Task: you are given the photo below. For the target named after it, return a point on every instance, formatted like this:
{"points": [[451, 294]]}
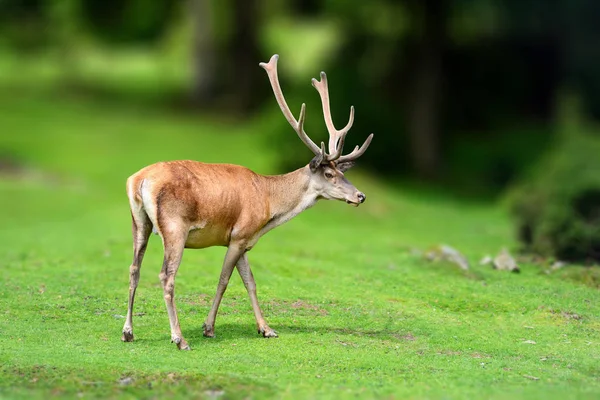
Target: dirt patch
{"points": [[201, 300], [14, 169], [299, 304], [479, 355], [568, 315], [409, 337], [449, 353], [571, 315], [9, 165], [297, 307], [346, 343]]}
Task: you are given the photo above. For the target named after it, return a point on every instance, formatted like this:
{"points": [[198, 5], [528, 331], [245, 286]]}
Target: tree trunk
{"points": [[246, 79], [226, 73], [424, 114], [204, 57]]}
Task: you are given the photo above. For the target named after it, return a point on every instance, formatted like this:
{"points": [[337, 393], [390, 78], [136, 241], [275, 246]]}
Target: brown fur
{"points": [[214, 196]]}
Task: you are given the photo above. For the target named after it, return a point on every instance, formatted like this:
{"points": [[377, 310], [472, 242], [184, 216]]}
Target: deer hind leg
{"points": [[174, 244], [234, 251], [141, 229], [243, 267]]}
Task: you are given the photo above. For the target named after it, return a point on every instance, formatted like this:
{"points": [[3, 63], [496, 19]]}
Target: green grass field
{"points": [[359, 314]]}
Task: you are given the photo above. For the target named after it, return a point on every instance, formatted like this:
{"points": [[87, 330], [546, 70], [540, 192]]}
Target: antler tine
{"points": [[357, 152], [336, 137], [271, 68]]}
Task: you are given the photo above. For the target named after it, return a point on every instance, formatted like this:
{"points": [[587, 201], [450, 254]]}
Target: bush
{"points": [[557, 207]]}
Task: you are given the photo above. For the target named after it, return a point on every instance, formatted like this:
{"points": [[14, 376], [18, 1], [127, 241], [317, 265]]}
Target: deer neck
{"points": [[289, 195]]}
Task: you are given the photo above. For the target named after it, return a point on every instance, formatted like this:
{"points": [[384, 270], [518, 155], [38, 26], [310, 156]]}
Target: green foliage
{"points": [[23, 24], [128, 21], [37, 24], [358, 314], [558, 206]]}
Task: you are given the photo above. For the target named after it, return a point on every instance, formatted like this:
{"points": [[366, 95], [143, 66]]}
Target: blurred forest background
{"points": [[482, 97]]}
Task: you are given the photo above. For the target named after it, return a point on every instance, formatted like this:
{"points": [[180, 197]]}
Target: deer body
{"points": [[196, 205], [210, 203]]}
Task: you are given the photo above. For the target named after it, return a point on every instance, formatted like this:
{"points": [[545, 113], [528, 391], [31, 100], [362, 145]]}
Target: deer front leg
{"points": [[243, 267], [174, 245], [233, 254]]}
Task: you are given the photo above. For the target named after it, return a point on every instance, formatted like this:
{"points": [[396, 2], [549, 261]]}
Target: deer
{"points": [[195, 205]]}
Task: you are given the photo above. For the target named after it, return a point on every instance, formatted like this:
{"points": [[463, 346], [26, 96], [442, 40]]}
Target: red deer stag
{"points": [[195, 205]]}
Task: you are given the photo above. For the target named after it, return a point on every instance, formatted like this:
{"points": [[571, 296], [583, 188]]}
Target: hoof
{"points": [[127, 337], [180, 342], [183, 346], [267, 332], [208, 331]]}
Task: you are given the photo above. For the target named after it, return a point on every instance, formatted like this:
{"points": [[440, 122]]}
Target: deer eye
{"points": [[328, 175]]}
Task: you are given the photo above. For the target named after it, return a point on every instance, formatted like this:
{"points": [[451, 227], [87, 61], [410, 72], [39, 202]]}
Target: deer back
{"points": [[217, 200]]}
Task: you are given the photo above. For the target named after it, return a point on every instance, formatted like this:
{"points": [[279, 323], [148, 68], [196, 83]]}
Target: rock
{"points": [[533, 378], [505, 262], [557, 265], [214, 393], [487, 259], [446, 253], [125, 381]]}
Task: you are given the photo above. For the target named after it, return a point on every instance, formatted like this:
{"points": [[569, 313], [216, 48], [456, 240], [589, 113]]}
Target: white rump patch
{"points": [[148, 201]]}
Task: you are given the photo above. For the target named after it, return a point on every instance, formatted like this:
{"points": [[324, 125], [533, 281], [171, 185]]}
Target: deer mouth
{"points": [[353, 203]]}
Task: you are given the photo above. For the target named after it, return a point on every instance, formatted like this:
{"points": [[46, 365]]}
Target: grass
{"points": [[360, 315]]}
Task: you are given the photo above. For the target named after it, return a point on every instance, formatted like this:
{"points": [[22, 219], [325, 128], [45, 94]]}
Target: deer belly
{"points": [[206, 237]]}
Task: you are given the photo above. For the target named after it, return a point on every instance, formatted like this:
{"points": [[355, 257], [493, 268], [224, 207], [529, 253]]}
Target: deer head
{"points": [[327, 167]]}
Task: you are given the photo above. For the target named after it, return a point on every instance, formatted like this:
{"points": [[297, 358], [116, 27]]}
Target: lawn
{"points": [[359, 312]]}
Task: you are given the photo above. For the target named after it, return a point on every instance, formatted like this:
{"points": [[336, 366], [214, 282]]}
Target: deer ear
{"points": [[345, 166], [315, 163]]}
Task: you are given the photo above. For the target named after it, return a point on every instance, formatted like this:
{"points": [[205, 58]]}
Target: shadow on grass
{"points": [[230, 332], [38, 381]]}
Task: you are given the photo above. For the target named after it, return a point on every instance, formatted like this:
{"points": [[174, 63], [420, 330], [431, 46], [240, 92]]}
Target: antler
{"points": [[357, 152], [271, 68], [336, 137]]}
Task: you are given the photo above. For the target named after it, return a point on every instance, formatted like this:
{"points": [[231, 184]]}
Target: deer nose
{"points": [[361, 197]]}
